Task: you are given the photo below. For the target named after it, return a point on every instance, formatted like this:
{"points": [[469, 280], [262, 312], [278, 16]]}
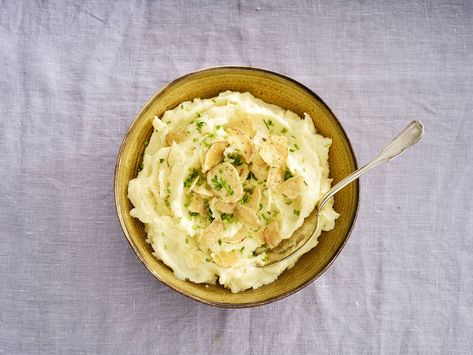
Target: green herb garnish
{"points": [[241, 250], [190, 178], [199, 125], [266, 218], [297, 212], [229, 217], [220, 183], [284, 130], [193, 214], [220, 242], [245, 198], [288, 174], [146, 143], [237, 161], [217, 183], [161, 160]]}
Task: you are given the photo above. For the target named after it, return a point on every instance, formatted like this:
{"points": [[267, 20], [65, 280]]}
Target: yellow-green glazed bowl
{"points": [[272, 88]]}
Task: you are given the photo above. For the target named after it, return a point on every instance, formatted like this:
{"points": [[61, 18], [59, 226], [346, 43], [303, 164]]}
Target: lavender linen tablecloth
{"points": [[74, 74]]}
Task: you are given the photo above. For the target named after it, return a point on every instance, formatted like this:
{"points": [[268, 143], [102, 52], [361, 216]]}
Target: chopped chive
{"points": [[208, 260], [237, 160], [288, 174], [220, 242], [190, 178], [297, 212], [241, 250], [199, 125], [227, 217], [182, 106], [266, 124], [245, 198], [265, 218], [220, 183], [296, 146], [146, 143], [251, 176], [284, 130]]}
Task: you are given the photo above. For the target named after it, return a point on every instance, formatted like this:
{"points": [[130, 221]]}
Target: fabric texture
{"points": [[74, 74]]}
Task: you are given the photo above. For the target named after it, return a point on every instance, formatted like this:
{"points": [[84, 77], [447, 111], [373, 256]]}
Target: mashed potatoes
{"points": [[223, 181]]}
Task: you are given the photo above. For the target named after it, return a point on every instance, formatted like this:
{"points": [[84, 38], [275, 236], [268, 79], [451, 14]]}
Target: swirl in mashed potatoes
{"points": [[223, 181]]}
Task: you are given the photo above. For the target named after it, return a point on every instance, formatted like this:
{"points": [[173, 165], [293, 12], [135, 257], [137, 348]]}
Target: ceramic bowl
{"points": [[273, 88]]}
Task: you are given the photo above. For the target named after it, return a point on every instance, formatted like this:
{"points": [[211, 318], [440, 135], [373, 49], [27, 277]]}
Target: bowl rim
{"points": [[120, 212]]}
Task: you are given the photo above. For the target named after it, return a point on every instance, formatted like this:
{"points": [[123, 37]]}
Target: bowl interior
{"points": [[272, 88]]}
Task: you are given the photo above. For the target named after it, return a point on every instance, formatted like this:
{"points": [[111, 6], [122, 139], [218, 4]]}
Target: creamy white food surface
{"points": [[223, 181]]}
